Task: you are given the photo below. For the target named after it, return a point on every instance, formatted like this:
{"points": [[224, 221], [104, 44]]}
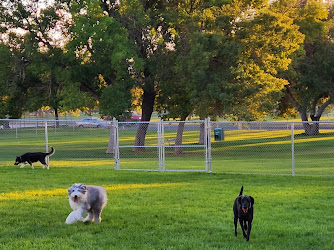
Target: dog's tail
{"points": [[51, 152], [242, 189]]}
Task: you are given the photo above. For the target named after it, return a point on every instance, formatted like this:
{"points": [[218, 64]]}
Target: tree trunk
{"points": [[56, 117], [111, 144], [179, 135], [147, 110], [310, 129], [313, 129], [201, 133]]}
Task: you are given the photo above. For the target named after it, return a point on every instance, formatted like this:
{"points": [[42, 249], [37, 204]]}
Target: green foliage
{"points": [[310, 74], [36, 54], [310, 19], [211, 58], [232, 62], [115, 100], [217, 57], [268, 41], [5, 69], [102, 48]]}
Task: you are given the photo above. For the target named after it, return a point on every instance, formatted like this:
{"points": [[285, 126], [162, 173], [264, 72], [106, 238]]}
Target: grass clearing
{"points": [[152, 210]]}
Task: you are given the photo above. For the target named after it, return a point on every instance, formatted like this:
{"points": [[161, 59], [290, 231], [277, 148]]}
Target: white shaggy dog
{"points": [[86, 199]]}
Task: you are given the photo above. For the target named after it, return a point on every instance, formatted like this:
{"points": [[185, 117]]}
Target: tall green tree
{"points": [[225, 60], [30, 30], [310, 89], [236, 60], [149, 27], [18, 78], [9, 61], [103, 58]]}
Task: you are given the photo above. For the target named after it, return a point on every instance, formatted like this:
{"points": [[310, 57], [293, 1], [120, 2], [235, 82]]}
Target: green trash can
{"points": [[218, 134]]}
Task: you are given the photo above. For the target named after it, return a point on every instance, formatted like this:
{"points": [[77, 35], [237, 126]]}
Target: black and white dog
{"points": [[86, 199], [243, 209], [30, 158]]}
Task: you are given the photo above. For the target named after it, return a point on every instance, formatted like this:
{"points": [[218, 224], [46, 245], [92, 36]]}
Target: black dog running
{"points": [[243, 209]]}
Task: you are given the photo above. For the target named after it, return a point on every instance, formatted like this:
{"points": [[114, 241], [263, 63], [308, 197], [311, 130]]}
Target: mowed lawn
{"points": [[153, 210], [170, 210]]}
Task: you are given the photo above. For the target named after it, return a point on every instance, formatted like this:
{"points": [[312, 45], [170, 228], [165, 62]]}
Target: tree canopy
{"points": [[242, 60], [311, 73]]}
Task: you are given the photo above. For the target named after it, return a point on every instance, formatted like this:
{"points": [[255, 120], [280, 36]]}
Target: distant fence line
{"points": [[279, 148]]}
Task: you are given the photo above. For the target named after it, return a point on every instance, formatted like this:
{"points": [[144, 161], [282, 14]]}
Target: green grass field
{"points": [[152, 210], [170, 210]]}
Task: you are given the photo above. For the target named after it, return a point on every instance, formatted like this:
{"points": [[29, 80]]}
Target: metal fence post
{"points": [[46, 140], [293, 148], [207, 141], [116, 144], [161, 146]]}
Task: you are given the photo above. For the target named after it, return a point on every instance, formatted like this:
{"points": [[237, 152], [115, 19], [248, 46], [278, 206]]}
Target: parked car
{"points": [[90, 123], [127, 117], [134, 117]]}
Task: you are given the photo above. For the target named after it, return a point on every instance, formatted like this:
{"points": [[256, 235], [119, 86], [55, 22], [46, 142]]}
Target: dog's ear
{"points": [[252, 200], [69, 191], [239, 199]]}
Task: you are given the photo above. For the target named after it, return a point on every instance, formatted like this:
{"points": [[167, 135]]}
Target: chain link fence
{"points": [[273, 148], [161, 149], [282, 148], [75, 145]]}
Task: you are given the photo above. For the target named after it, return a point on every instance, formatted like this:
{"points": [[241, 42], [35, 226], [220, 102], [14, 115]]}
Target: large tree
{"points": [[104, 60], [30, 30], [10, 72], [235, 61], [225, 60], [209, 57], [311, 85]]}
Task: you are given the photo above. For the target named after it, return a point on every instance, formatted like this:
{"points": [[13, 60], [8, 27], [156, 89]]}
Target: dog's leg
{"points": [[71, 218], [235, 225], [22, 165], [44, 164], [31, 165], [97, 215], [242, 227], [249, 230], [75, 216], [89, 217]]}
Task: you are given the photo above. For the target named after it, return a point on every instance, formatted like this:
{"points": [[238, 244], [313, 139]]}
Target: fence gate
{"points": [[162, 145]]}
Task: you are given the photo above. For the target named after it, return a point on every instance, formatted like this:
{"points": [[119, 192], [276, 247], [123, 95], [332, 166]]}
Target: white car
{"points": [[90, 123]]}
